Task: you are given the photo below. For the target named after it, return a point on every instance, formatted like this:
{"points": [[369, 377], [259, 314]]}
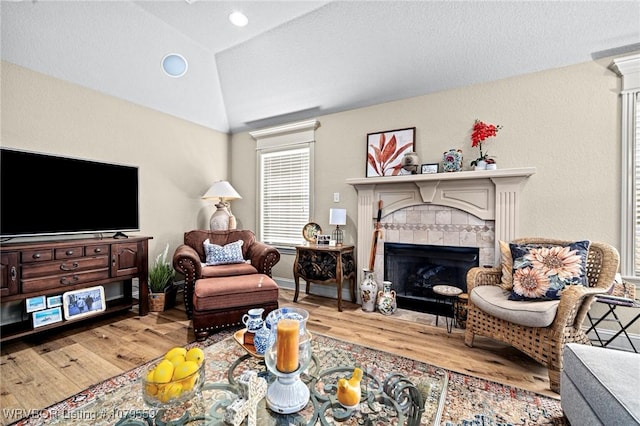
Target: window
{"points": [[285, 162], [284, 200], [629, 68]]}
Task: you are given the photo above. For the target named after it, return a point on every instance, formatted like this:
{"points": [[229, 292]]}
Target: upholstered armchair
{"points": [[539, 328], [189, 258]]}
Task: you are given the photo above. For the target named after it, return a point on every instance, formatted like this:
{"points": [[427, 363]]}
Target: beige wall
{"points": [[565, 122], [177, 160]]}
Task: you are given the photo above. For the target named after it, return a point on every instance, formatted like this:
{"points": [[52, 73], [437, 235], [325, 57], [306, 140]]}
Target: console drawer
{"points": [[65, 267], [30, 256], [69, 252], [60, 281]]}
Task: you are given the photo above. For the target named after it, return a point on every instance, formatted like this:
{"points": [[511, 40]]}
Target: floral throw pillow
{"points": [[540, 272], [222, 255]]}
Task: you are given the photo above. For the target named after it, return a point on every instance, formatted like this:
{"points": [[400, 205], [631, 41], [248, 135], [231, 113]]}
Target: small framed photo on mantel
{"points": [[429, 168]]}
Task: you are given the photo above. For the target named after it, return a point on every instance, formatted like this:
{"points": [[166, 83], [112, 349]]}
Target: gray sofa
{"points": [[599, 386]]}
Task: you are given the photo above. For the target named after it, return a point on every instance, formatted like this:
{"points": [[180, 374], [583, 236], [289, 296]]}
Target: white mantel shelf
{"points": [[488, 194]]}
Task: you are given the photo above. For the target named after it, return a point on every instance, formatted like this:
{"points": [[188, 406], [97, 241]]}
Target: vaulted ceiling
{"points": [[300, 59]]}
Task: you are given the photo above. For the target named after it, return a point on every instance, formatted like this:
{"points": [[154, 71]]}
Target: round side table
{"points": [[450, 294]]}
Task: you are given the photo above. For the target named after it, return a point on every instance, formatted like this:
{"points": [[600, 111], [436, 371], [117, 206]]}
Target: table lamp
{"points": [[338, 217], [222, 218]]}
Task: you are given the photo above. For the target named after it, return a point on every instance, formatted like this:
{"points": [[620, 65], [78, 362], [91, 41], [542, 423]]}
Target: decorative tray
{"points": [[310, 231], [239, 337]]}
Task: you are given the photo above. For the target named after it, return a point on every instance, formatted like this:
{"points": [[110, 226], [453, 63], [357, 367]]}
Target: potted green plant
{"points": [[162, 292]]}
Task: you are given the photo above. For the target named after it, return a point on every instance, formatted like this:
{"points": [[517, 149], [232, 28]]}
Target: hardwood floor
{"points": [[45, 369]]}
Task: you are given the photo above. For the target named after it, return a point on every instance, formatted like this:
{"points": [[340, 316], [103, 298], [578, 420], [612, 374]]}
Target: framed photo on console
{"points": [[36, 303], [84, 302], [47, 316]]}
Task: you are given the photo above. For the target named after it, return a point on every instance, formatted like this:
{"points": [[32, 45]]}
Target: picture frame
{"points": [[47, 316], [83, 303], [53, 301], [386, 149], [36, 303], [430, 168]]}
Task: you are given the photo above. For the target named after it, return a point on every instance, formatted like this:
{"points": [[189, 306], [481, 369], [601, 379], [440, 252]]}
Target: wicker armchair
{"points": [[545, 345]]}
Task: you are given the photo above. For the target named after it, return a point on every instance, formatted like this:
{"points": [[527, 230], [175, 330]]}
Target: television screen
{"points": [[43, 194]]}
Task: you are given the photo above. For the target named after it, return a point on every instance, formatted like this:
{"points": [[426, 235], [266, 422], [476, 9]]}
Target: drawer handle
{"points": [[36, 256], [74, 265], [69, 252], [13, 273], [98, 250], [66, 281]]}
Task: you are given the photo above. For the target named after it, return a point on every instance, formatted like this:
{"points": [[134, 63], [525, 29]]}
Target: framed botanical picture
{"points": [[83, 302], [53, 301], [36, 303], [386, 149], [429, 168], [47, 316]]}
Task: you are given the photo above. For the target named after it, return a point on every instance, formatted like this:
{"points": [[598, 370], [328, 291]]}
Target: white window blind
{"points": [[285, 188]]}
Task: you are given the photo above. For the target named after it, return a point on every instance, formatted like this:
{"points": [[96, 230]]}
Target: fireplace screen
{"points": [[414, 269]]}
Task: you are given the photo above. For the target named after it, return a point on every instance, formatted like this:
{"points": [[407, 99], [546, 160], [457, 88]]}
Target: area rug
{"points": [[465, 400]]}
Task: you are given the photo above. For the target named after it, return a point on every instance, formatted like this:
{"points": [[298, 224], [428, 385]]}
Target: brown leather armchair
{"points": [[189, 258]]}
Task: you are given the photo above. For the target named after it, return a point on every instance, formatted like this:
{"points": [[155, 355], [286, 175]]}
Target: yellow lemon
{"points": [[175, 351], [151, 388], [164, 372], [177, 360], [189, 383], [170, 391], [185, 369], [195, 354]]}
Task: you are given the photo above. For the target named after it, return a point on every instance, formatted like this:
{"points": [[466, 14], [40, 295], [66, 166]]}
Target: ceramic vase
{"points": [[387, 304], [368, 291], [452, 160]]}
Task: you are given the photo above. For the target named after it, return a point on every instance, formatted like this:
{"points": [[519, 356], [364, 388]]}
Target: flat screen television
{"points": [[43, 194]]}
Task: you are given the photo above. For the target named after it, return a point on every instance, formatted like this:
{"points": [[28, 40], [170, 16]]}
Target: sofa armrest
{"points": [[263, 257], [187, 262], [483, 276]]}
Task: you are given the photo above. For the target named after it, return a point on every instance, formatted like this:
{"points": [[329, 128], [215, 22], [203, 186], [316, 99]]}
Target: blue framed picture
{"points": [[36, 303], [53, 301], [47, 316]]}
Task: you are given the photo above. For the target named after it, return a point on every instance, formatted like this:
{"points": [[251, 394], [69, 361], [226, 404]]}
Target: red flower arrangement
{"points": [[481, 132]]}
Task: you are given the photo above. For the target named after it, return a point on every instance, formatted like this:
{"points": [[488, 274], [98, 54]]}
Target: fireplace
{"points": [[414, 269], [462, 209]]}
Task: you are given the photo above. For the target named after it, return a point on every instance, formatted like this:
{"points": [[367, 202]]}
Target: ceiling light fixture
{"points": [[238, 19], [174, 65]]}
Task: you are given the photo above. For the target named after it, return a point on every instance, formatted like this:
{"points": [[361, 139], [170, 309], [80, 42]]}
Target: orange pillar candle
{"points": [[287, 345]]}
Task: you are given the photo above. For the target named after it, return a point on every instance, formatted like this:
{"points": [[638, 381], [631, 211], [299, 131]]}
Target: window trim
{"points": [[283, 138], [628, 68]]}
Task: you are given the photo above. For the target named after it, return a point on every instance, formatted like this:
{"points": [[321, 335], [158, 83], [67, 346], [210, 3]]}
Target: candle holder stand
{"points": [[288, 394]]}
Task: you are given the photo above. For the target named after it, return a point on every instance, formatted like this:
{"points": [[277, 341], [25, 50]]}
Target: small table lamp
{"points": [[222, 218], [337, 217]]}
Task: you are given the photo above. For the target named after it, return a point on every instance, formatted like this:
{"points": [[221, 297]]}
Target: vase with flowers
{"points": [[481, 132]]}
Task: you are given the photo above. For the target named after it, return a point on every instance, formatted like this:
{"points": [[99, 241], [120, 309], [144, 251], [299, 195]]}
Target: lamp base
{"points": [[287, 394], [220, 218]]}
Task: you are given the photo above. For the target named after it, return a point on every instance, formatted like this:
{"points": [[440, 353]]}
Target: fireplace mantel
{"points": [[489, 195]]}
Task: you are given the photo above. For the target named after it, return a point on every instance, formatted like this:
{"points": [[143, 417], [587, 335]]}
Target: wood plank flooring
{"points": [[41, 370]]}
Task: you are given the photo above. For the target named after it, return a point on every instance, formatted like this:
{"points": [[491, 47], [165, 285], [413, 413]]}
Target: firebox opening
{"points": [[414, 269]]}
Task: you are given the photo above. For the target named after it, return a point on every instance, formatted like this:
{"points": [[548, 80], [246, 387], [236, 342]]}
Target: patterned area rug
{"points": [[467, 401]]}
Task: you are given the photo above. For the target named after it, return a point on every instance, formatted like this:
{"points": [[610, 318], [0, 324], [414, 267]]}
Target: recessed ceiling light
{"points": [[239, 19], [174, 65]]}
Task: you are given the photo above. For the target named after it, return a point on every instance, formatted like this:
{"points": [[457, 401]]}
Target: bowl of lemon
{"points": [[176, 378]]}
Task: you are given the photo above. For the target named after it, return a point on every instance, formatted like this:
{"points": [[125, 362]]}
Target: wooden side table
{"points": [[322, 264]]}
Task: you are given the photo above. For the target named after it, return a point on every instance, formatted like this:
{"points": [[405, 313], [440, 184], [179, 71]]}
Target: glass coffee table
{"points": [[388, 398]]}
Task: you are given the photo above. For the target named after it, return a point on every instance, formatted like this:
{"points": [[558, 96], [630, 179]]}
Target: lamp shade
{"points": [[337, 216], [223, 190]]}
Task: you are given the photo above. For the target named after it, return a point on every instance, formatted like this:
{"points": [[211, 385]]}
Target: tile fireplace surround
{"points": [[472, 208]]}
